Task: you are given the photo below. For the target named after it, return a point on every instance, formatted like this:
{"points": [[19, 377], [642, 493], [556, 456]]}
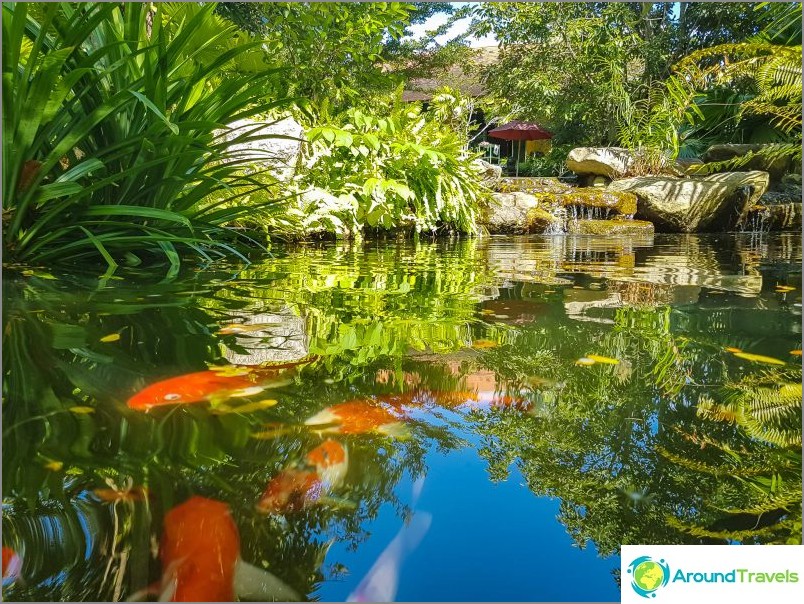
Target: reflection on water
{"points": [[373, 421]]}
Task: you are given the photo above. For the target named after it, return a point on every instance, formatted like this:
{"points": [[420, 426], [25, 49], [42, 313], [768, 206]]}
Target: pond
{"points": [[451, 420]]}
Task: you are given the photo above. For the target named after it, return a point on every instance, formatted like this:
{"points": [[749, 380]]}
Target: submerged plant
{"points": [[112, 121]]}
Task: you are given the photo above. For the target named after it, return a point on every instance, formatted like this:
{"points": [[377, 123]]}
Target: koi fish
{"points": [[758, 358], [359, 417], [381, 582], [296, 488], [331, 461], [200, 553], [12, 565], [237, 328], [208, 385], [291, 490]]}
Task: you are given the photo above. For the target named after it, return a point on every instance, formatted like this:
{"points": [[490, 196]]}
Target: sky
{"points": [[458, 28]]}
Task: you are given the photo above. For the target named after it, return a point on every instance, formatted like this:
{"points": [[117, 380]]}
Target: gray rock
{"points": [[490, 173], [687, 205], [284, 338], [275, 145], [611, 162], [508, 212]]}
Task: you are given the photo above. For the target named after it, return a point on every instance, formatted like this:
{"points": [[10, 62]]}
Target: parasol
{"points": [[520, 131]]}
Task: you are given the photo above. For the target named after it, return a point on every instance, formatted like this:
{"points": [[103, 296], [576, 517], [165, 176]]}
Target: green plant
{"points": [[396, 167], [553, 163], [110, 115]]}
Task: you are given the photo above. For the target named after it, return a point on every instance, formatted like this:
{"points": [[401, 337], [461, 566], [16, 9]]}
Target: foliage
{"points": [[572, 65], [553, 163], [769, 75], [109, 140], [332, 50], [395, 167]]}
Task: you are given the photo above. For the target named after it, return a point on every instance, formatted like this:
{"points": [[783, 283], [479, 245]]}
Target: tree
{"points": [[331, 50], [569, 65]]}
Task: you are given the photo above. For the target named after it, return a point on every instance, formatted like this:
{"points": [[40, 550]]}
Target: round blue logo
{"points": [[648, 575]]}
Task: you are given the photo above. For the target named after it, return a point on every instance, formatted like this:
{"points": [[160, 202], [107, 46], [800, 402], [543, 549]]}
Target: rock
{"points": [[283, 339], [610, 227], [686, 205], [539, 220], [776, 167], [593, 197], [490, 173], [263, 149], [780, 217], [688, 166], [612, 162], [532, 185], [507, 213]]}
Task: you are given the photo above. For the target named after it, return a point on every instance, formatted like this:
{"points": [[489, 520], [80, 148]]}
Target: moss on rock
{"points": [[621, 202], [610, 227], [532, 185], [539, 220]]}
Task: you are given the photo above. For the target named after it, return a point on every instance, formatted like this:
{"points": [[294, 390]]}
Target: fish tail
{"points": [[396, 430]]}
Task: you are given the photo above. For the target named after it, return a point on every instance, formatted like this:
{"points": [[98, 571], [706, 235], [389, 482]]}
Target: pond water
{"points": [[516, 408]]}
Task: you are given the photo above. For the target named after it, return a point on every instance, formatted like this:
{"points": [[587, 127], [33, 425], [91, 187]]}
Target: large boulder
{"points": [[275, 145], [507, 212], [776, 166], [611, 162], [687, 205]]}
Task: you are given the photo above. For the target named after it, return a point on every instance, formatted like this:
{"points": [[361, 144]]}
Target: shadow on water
{"points": [[644, 391]]}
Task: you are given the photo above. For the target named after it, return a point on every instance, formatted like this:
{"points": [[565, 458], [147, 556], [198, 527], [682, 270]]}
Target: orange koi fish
{"points": [[200, 553], [291, 490], [295, 488], [359, 417], [331, 461], [210, 385], [12, 565]]}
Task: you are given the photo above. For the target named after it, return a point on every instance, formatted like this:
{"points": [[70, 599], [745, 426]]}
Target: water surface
{"points": [[531, 463]]}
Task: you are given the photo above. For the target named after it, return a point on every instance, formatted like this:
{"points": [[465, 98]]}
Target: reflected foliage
{"points": [[665, 437]]}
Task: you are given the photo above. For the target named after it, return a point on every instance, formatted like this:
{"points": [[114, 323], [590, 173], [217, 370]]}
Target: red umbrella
{"points": [[520, 131]]}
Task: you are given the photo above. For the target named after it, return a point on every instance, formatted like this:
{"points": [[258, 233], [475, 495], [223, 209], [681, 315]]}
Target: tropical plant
{"points": [[396, 167], [114, 124]]}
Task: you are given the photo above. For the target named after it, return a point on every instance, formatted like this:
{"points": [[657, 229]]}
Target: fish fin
{"points": [[396, 430], [252, 583], [325, 416], [250, 391]]}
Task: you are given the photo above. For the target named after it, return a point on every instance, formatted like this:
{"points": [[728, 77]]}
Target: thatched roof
{"points": [[465, 79]]}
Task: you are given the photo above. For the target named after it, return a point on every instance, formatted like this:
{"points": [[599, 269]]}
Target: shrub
{"points": [[109, 120], [399, 167]]}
